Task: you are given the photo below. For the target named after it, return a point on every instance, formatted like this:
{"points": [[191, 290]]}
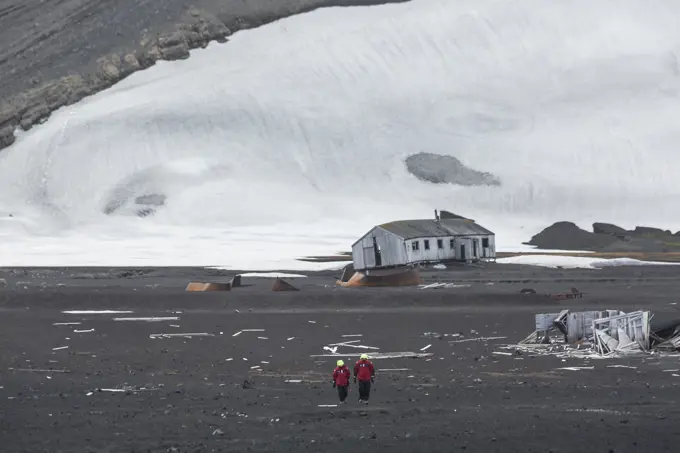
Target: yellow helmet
{"points": [[364, 357], [341, 363]]}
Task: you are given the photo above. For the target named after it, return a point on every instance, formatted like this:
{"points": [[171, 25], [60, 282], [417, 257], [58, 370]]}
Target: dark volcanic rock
{"points": [[649, 232], [54, 56], [6, 137], [608, 228], [637, 244], [447, 170], [568, 236]]}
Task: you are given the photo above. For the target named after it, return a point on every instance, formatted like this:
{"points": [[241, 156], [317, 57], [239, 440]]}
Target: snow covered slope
{"points": [[291, 138]]}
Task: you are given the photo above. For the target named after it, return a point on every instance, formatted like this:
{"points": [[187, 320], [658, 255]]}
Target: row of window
{"points": [[415, 245]]}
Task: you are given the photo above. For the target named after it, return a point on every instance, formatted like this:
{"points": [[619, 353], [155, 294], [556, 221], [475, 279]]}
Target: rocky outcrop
{"points": [[568, 236], [42, 57], [608, 228], [6, 137], [605, 237], [35, 106], [441, 169], [649, 232]]}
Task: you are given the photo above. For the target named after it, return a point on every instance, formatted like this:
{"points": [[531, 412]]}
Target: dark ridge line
{"points": [[34, 106]]}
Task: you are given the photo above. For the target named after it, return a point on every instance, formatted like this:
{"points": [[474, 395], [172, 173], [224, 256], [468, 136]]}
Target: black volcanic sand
{"points": [[465, 398]]}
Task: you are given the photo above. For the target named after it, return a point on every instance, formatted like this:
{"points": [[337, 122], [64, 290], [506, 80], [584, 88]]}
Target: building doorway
{"points": [[376, 251]]}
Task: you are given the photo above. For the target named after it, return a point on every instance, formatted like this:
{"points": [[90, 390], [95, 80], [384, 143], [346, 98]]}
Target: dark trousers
{"points": [[342, 392], [364, 390]]}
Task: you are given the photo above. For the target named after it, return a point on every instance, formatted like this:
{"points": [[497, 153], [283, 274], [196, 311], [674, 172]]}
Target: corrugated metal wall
{"points": [[433, 254], [396, 252], [391, 249]]}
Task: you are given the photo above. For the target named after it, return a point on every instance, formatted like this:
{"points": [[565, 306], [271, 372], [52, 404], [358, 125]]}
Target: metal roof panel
{"points": [[408, 229]]}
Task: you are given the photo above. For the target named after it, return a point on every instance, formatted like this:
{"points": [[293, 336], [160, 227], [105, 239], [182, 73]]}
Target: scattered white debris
{"points": [[245, 360], [670, 371], [577, 368], [356, 346], [675, 375], [345, 343], [426, 347], [37, 370], [393, 369], [622, 366], [89, 394], [265, 363], [96, 312], [229, 359], [174, 325], [444, 285], [312, 322], [113, 390], [59, 348], [262, 338], [438, 335], [598, 411], [332, 350], [439, 266], [328, 405], [150, 319], [352, 335], [255, 367], [188, 335], [502, 353], [272, 275], [66, 324], [477, 339], [290, 338], [83, 331], [294, 381]]}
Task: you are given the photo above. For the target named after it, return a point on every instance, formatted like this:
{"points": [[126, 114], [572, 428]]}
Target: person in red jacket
{"points": [[364, 371], [341, 376]]}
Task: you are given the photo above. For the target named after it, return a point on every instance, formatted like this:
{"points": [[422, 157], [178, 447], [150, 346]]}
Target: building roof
{"points": [[408, 229]]}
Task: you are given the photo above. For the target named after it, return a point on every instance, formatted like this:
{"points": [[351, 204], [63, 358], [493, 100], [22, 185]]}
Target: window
{"points": [[452, 244], [440, 244], [485, 243], [427, 244], [415, 246]]}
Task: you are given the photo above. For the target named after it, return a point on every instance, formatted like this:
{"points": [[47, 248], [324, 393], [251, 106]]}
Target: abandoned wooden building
{"points": [[410, 242]]}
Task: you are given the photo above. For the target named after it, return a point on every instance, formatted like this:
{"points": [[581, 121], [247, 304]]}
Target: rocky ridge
{"points": [[194, 29], [35, 106], [606, 237]]}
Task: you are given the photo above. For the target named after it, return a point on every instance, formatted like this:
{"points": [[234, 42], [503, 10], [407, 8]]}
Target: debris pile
{"points": [[442, 285], [604, 332]]}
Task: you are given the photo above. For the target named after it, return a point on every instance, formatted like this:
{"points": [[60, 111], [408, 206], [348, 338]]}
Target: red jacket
{"points": [[363, 370], [341, 376]]}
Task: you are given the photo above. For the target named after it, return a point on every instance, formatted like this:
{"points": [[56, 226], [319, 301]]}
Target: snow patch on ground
{"points": [[573, 262]]}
